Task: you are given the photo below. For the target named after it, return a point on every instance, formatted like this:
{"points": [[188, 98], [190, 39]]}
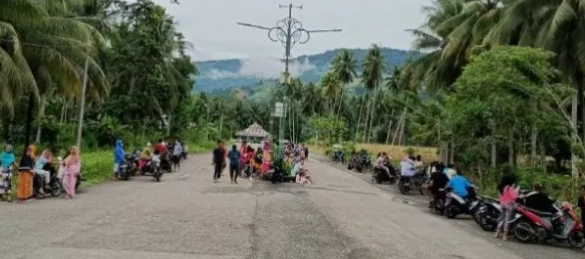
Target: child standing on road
{"points": [[508, 194], [234, 156]]}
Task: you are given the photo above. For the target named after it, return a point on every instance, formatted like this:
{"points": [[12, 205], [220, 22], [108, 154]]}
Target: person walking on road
{"points": [[234, 156], [218, 160]]}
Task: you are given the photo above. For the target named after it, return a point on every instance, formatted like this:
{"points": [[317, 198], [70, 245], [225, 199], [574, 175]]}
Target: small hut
{"points": [[253, 134]]}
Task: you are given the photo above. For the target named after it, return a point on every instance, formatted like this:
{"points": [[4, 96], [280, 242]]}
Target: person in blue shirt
{"points": [[460, 185], [234, 156], [119, 156]]}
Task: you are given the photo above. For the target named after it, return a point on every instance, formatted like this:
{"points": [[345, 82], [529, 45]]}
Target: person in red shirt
{"points": [[161, 148]]}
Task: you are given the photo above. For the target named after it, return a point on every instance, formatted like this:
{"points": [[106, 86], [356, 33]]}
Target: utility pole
{"points": [[288, 31]]}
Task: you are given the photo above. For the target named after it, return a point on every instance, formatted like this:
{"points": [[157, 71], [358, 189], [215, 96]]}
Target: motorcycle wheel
{"points": [[576, 240], [358, 169], [450, 212], [57, 188], [403, 188], [523, 231]]}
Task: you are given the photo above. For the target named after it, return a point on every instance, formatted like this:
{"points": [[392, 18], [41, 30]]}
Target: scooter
{"points": [[456, 205], [54, 187], [562, 226], [153, 168], [437, 204], [488, 213], [125, 169], [408, 183], [380, 175]]}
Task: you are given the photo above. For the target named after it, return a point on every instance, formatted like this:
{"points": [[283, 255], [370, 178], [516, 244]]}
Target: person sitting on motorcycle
{"points": [[381, 162], [537, 200], [418, 163], [145, 157], [438, 180], [407, 168], [449, 171], [44, 176], [460, 186]]}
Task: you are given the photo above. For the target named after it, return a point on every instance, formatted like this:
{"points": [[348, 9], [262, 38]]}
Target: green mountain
{"points": [[220, 77]]}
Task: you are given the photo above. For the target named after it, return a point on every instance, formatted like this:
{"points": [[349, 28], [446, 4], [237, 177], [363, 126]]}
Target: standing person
{"points": [[177, 154], [234, 155], [218, 160], [508, 194], [7, 158], [25, 176], [119, 156], [72, 166], [306, 150], [243, 154], [161, 147], [266, 158]]}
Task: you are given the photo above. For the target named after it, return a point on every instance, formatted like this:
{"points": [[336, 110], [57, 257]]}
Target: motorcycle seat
{"points": [[540, 213]]}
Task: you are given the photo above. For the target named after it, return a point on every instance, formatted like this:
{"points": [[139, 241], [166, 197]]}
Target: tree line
{"points": [[138, 72]]}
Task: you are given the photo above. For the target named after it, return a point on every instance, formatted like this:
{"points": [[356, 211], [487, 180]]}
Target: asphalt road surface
{"points": [[187, 216]]}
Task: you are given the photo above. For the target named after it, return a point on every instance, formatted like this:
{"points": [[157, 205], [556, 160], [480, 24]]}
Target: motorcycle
{"points": [[153, 168], [54, 187], [455, 205], [366, 161], [488, 213], [381, 175], [355, 163], [437, 204], [276, 173], [408, 183], [562, 226], [125, 169]]}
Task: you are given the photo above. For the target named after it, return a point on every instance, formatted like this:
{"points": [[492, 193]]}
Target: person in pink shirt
{"points": [[509, 192]]}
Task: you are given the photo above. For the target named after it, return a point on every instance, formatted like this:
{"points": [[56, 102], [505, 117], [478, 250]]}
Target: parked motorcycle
{"points": [[488, 213], [153, 168], [54, 187], [562, 226], [355, 163], [380, 175], [125, 170]]}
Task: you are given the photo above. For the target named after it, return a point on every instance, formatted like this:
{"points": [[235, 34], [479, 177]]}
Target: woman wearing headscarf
{"points": [[72, 165], [25, 176], [7, 158], [266, 158], [43, 175], [145, 156]]}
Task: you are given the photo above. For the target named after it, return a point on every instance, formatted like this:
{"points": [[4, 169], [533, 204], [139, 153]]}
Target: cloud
{"points": [[262, 67]]}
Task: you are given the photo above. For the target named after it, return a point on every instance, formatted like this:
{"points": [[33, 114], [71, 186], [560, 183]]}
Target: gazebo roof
{"points": [[254, 130]]}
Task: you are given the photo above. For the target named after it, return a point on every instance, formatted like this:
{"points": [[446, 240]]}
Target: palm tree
{"points": [[331, 86], [373, 68], [344, 67]]}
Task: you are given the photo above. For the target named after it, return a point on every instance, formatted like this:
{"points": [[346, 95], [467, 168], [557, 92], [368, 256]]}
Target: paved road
{"points": [[188, 216]]}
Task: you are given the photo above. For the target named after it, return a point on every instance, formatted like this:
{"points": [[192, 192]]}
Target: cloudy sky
{"points": [[210, 25]]}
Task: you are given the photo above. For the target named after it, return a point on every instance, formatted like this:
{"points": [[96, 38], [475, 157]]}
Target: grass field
{"points": [[428, 154]]}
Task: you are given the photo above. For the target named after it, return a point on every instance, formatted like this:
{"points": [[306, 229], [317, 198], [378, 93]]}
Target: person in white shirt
{"points": [[407, 167]]}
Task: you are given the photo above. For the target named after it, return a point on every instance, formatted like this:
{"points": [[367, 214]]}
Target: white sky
{"points": [[210, 25]]}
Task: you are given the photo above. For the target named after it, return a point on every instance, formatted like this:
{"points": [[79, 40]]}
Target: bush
{"points": [[97, 167]]}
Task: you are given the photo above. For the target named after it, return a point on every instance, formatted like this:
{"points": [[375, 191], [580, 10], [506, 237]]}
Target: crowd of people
{"points": [[251, 163], [168, 153], [35, 173]]}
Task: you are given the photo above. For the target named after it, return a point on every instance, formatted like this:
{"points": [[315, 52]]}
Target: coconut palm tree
{"points": [[373, 69], [331, 86], [344, 67]]}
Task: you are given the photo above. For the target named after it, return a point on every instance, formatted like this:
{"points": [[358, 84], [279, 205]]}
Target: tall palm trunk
{"points": [[401, 138], [400, 122], [389, 127], [368, 108], [511, 146], [494, 154], [373, 110], [41, 116], [359, 115], [29, 115], [574, 170]]}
